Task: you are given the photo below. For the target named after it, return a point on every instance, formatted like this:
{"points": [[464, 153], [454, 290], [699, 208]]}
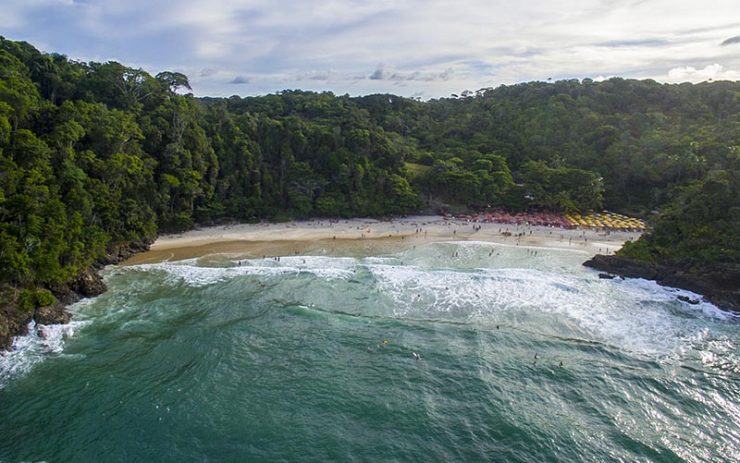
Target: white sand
{"points": [[296, 237]]}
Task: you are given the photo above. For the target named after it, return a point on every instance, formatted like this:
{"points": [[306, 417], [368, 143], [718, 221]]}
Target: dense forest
{"points": [[94, 154]]}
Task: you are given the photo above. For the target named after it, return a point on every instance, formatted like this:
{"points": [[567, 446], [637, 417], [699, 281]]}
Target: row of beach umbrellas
{"points": [[597, 220], [606, 220], [544, 219]]}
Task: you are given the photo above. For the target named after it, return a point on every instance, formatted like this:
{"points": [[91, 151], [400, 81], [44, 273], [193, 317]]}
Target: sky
{"points": [[414, 48]]}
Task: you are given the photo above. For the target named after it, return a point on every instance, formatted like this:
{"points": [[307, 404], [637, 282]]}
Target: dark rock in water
{"points": [[607, 276], [688, 299], [14, 321], [52, 314], [718, 282], [88, 284], [65, 294], [617, 265]]}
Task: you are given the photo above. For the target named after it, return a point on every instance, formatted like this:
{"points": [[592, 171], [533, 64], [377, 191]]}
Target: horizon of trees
{"points": [[98, 153]]}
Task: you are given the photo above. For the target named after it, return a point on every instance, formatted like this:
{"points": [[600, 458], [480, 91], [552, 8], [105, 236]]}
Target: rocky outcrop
{"points": [[14, 320], [118, 252], [88, 284], [718, 282], [52, 314]]}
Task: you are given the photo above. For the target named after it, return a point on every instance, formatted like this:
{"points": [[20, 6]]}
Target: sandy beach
{"points": [[369, 236]]}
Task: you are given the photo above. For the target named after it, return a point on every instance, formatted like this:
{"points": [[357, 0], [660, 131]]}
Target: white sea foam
{"points": [[380, 260], [40, 342], [635, 315], [558, 300], [195, 275], [668, 294], [489, 244]]}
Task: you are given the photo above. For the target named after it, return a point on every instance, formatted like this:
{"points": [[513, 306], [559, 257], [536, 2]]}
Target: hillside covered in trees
{"points": [[97, 154]]}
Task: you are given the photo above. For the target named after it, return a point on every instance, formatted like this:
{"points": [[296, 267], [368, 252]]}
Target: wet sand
{"points": [[367, 237]]}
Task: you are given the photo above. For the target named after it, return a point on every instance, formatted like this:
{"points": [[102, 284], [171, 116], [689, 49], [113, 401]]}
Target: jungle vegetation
{"points": [[93, 154]]}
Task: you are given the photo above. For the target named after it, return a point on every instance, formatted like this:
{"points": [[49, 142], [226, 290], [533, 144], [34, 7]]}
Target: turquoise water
{"points": [[311, 359]]}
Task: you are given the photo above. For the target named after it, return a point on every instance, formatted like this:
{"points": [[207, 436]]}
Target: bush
{"points": [[639, 250], [29, 299]]}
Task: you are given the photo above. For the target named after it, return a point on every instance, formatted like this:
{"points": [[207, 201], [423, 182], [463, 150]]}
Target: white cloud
{"points": [[691, 74], [436, 47]]}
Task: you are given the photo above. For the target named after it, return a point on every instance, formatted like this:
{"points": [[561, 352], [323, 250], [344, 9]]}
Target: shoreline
{"points": [[357, 236], [368, 236]]}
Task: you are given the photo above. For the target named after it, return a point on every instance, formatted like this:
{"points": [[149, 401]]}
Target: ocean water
{"points": [[521, 357]]}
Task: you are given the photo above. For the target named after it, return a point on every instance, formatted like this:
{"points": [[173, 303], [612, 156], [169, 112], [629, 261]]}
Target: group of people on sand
{"points": [[546, 219]]}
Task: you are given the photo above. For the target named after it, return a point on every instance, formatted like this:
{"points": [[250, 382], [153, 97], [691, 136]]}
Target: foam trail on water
{"points": [[195, 275], [669, 295], [553, 299], [516, 246], [636, 316], [40, 342]]}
